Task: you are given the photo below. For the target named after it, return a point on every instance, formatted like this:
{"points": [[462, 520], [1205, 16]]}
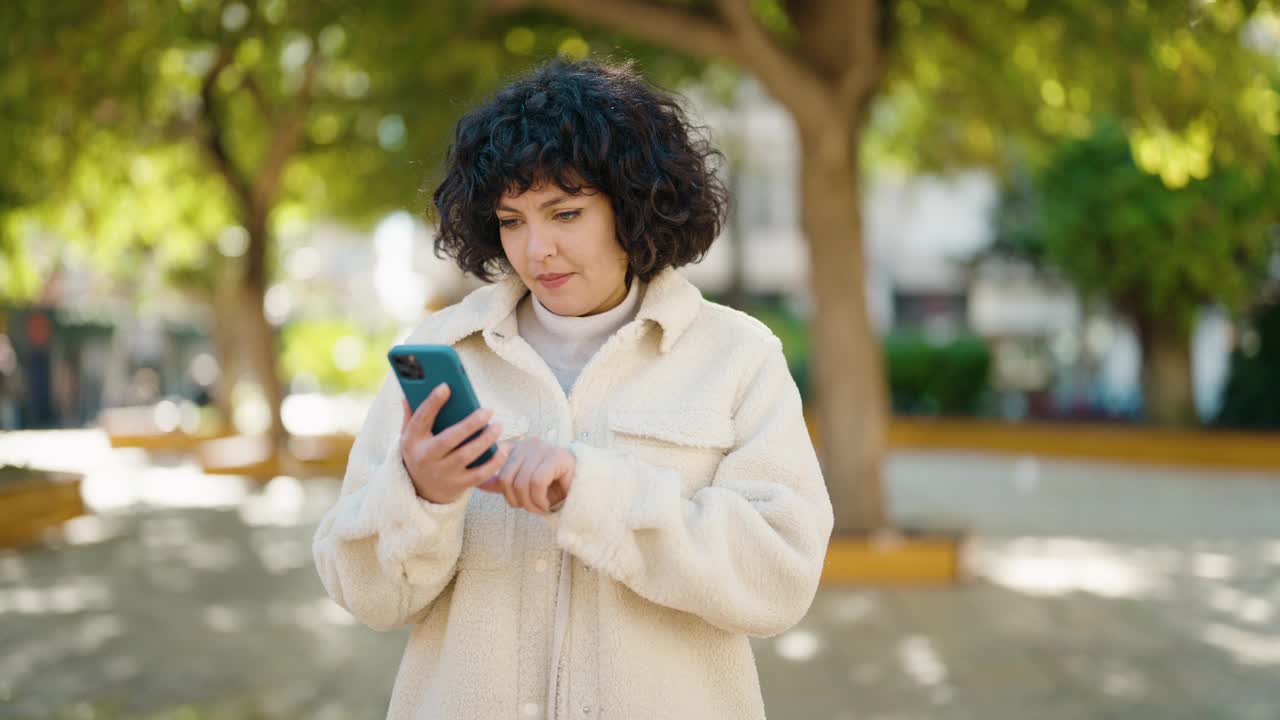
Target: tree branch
{"points": [[260, 99], [285, 135], [214, 144], [743, 41], [787, 79], [866, 64]]}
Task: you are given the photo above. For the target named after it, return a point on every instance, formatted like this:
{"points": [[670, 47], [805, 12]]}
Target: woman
{"points": [[656, 500]]}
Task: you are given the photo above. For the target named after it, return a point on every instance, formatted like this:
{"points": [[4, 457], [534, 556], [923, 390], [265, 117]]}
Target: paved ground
{"points": [[1102, 592]]}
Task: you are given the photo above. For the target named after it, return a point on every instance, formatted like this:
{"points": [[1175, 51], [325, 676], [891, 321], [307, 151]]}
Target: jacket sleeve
{"points": [[383, 553], [744, 553]]}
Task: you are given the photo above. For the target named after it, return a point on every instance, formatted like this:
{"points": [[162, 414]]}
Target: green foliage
{"points": [[136, 70], [1152, 250], [1251, 398], [937, 378], [104, 111], [18, 279], [145, 133], [925, 377], [993, 82], [338, 355]]}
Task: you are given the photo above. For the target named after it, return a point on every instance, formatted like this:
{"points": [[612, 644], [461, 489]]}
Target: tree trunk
{"points": [[261, 350], [1167, 388], [227, 324], [852, 405], [261, 353]]}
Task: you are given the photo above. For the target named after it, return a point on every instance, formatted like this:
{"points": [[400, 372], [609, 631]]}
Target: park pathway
{"points": [[1101, 591]]}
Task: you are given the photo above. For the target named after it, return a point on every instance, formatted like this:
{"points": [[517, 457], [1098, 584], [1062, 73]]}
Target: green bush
{"points": [[1251, 398], [925, 377], [937, 378]]}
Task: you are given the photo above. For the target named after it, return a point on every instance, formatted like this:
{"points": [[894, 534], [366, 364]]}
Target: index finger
{"points": [[424, 417]]}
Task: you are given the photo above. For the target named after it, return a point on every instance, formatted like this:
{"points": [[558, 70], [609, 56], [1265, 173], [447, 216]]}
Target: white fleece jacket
{"points": [[697, 517], [566, 344]]}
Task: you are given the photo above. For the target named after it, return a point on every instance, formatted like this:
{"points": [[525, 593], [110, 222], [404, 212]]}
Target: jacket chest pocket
{"points": [[489, 527], [691, 441]]}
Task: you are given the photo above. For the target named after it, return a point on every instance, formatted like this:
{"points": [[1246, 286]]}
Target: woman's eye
{"points": [[508, 222], [568, 215]]}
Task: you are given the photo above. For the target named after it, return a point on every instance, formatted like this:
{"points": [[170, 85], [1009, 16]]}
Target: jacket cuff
{"points": [[608, 499], [588, 502], [389, 508]]}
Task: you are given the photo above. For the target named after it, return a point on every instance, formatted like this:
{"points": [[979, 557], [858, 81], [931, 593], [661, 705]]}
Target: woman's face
{"points": [[548, 231]]}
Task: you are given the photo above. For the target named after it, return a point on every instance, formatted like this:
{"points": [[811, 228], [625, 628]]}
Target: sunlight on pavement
{"points": [[798, 645], [1055, 566], [1072, 624], [1246, 646]]}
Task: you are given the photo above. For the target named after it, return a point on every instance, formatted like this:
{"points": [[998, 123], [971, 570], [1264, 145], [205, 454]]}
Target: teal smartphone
{"points": [[420, 368]]}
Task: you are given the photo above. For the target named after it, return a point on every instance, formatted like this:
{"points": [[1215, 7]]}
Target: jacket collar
{"points": [[670, 301]]}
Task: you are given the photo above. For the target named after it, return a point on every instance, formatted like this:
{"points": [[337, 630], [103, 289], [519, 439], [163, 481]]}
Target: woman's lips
{"points": [[556, 281]]}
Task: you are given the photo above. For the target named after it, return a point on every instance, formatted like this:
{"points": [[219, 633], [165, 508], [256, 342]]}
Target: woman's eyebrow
{"points": [[543, 206]]}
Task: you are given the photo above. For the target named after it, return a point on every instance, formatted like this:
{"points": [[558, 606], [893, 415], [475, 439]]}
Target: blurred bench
{"points": [[138, 427], [254, 456], [32, 501]]}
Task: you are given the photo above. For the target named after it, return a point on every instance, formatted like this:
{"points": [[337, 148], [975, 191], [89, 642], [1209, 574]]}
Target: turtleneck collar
{"points": [[589, 327]]}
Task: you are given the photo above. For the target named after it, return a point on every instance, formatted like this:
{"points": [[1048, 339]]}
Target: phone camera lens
{"points": [[407, 366]]}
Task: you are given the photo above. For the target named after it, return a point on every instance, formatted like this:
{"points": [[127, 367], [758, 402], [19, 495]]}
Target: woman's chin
{"points": [[560, 306]]}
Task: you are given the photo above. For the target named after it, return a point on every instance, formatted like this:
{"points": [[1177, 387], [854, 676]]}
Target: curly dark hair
{"points": [[584, 125]]}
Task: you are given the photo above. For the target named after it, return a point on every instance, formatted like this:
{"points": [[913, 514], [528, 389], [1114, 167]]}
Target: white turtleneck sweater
{"points": [[567, 343]]}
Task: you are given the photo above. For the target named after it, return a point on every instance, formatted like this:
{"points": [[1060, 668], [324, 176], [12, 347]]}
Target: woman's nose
{"points": [[540, 241]]}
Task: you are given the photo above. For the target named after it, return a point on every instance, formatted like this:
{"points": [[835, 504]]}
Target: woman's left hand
{"points": [[536, 475]]}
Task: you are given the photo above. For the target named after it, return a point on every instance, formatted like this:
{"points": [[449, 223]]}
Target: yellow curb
{"points": [[28, 508], [307, 455], [1086, 441], [923, 560], [171, 441], [1218, 448]]}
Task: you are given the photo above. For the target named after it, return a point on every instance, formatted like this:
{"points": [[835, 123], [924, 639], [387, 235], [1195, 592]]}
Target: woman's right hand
{"points": [[437, 464]]}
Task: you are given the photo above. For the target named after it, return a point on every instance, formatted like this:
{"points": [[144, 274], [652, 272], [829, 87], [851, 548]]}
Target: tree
{"points": [[943, 64], [193, 133], [1156, 254], [280, 104], [958, 81], [1175, 106]]}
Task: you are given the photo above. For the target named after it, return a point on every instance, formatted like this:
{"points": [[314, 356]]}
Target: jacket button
{"points": [[586, 709]]}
